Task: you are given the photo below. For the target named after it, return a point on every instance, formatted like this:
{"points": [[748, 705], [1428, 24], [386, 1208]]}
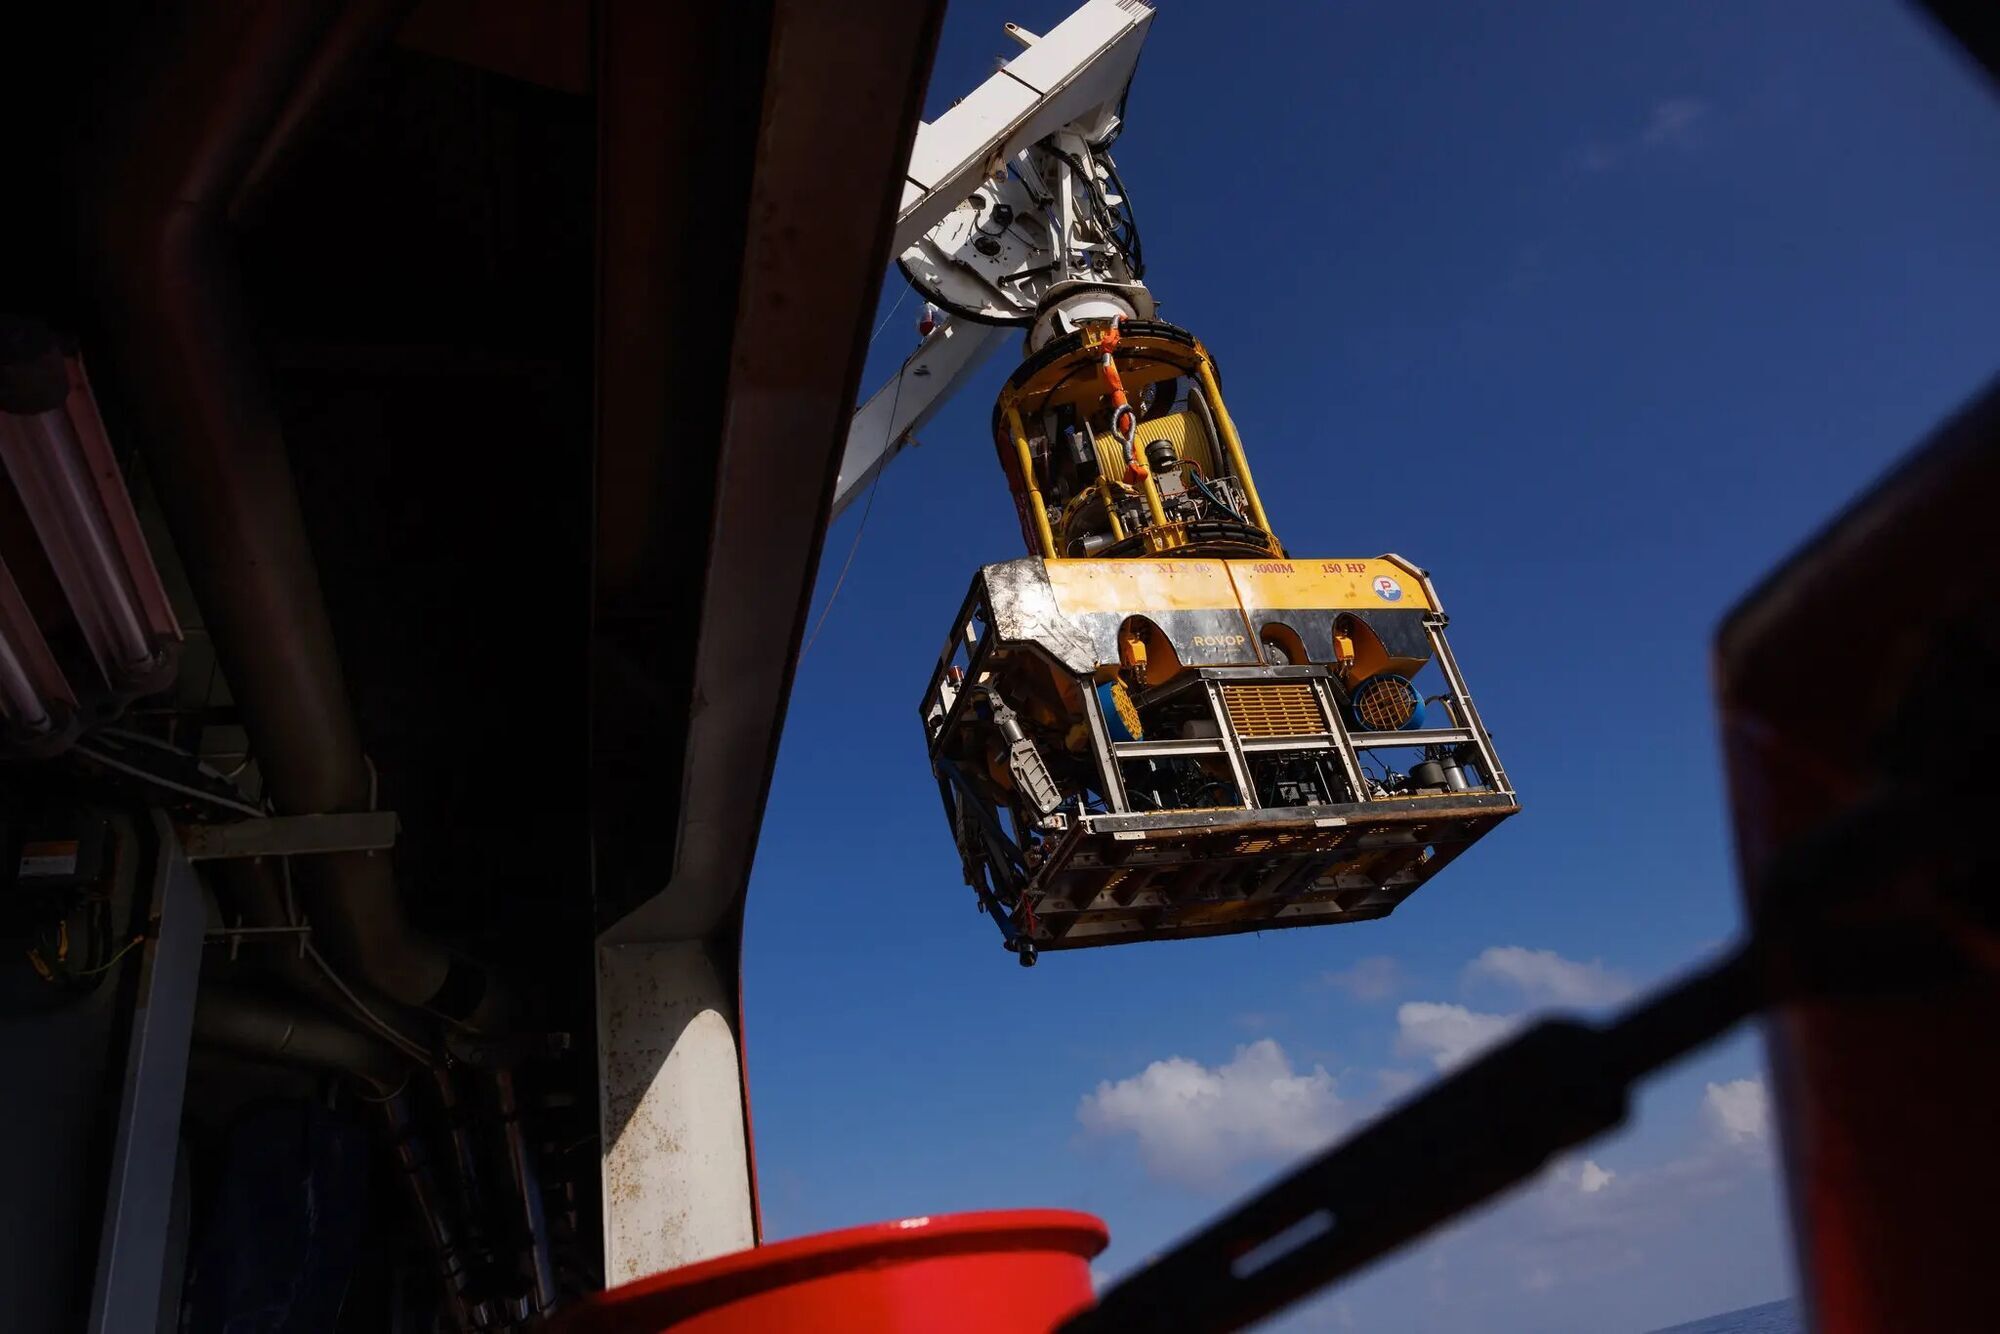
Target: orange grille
{"points": [[1288, 709], [1385, 703]]}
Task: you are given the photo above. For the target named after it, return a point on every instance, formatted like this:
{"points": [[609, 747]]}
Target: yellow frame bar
{"points": [[1152, 490], [1110, 506], [1027, 461], [1231, 443]]}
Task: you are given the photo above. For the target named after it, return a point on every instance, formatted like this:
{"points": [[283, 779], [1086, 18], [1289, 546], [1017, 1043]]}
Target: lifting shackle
{"points": [[1125, 426], [1124, 418]]}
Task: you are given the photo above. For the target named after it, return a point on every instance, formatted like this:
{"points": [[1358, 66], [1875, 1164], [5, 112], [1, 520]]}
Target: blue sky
{"points": [[1596, 310]]}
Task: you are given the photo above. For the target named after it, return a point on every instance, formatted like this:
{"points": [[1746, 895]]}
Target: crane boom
{"points": [[996, 220]]}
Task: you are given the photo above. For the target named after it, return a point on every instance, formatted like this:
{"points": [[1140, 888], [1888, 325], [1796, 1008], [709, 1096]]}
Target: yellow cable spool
{"points": [[1182, 430]]}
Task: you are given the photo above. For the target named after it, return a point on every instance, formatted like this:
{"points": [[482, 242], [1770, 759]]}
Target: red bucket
{"points": [[1004, 1272]]}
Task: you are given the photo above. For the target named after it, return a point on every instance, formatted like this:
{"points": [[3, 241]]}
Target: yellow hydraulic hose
{"points": [[1027, 461]]}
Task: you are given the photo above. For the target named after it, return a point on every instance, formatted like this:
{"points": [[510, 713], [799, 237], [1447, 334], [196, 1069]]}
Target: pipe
{"points": [[464, 1157], [459, 1122], [1231, 443], [183, 352], [413, 1164], [528, 1191], [1034, 493], [274, 1030], [252, 890]]}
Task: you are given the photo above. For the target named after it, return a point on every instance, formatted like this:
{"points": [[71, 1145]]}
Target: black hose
{"points": [[1202, 486]]}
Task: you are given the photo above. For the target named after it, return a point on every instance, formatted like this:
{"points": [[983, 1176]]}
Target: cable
{"points": [[291, 903], [1134, 252], [387, 1097], [852, 548], [895, 399], [126, 734], [907, 289], [105, 967], [227, 803], [1194, 470], [408, 1046]]}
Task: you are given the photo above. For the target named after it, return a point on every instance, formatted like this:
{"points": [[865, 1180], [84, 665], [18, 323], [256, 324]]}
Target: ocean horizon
{"points": [[1779, 1317]]}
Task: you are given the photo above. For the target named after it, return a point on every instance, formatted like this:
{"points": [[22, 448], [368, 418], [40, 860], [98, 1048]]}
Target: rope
{"points": [[895, 400]]}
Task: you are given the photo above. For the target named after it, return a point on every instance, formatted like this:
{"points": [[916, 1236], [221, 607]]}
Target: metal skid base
{"points": [[1180, 874]]}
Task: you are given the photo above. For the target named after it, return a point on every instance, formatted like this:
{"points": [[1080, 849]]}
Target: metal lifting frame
{"points": [[972, 636]]}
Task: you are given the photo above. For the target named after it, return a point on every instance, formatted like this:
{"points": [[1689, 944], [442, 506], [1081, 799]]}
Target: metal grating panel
{"points": [[1267, 710]]}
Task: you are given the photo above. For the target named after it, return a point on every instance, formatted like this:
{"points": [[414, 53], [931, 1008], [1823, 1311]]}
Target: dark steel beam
{"points": [[839, 109], [749, 163]]}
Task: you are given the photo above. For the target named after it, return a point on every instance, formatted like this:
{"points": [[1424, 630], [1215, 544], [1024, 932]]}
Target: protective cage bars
{"points": [[966, 665]]}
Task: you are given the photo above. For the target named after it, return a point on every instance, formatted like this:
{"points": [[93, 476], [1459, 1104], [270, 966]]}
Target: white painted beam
{"points": [[884, 424], [675, 1153], [1083, 62]]}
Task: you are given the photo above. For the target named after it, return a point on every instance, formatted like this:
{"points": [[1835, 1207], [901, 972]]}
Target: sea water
{"points": [[1779, 1317]]}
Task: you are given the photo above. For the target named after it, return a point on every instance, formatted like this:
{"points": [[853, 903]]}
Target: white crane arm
{"points": [[1068, 82], [1083, 63]]}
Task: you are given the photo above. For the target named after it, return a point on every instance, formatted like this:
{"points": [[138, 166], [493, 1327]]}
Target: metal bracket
{"points": [[291, 836], [236, 935]]}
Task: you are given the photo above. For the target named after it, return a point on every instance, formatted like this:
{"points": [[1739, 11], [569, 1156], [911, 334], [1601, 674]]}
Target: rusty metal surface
{"points": [[1173, 875], [1886, 1109], [1023, 604]]}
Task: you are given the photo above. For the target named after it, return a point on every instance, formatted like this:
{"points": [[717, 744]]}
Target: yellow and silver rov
{"points": [[1160, 724]]}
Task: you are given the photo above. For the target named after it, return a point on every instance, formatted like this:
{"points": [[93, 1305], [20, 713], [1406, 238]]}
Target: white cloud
{"points": [[1447, 1034], [1580, 1235], [1372, 979], [1738, 1111], [1568, 1179], [1193, 1122], [1393, 1083], [1543, 977], [1673, 122], [1584, 1247]]}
